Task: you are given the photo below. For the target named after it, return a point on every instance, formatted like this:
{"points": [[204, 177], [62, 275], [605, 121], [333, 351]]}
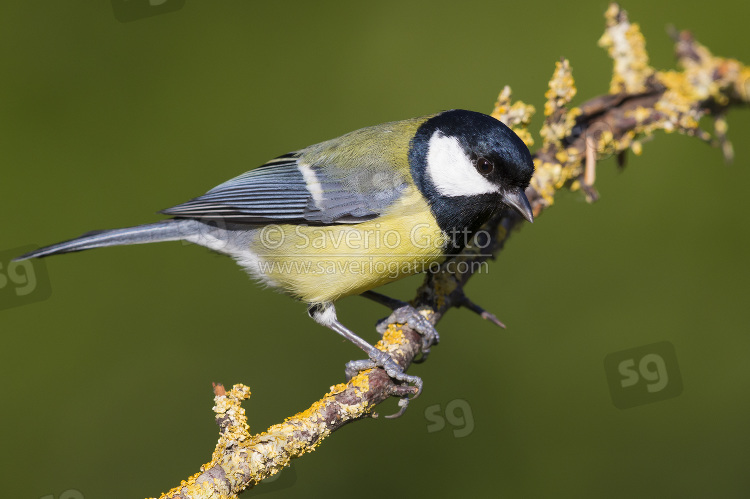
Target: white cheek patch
{"points": [[451, 170]]}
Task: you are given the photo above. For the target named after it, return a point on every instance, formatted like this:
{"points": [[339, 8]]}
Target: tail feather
{"points": [[166, 230]]}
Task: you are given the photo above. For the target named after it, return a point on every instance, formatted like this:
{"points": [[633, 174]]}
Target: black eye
{"points": [[484, 166]]}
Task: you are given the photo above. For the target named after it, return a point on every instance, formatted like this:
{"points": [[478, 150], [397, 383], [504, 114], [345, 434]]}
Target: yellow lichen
{"points": [[742, 84], [544, 179], [627, 48], [560, 120], [393, 339], [515, 115], [562, 88]]}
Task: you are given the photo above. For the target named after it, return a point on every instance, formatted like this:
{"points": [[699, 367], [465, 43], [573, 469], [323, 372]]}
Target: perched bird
{"points": [[347, 215]]}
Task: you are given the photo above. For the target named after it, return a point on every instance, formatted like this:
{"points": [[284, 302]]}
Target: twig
{"points": [[641, 101]]}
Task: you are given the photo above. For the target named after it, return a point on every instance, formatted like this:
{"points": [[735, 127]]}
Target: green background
{"points": [[107, 384]]}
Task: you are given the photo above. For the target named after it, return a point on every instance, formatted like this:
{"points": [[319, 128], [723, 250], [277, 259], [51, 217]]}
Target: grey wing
{"points": [[285, 191]]}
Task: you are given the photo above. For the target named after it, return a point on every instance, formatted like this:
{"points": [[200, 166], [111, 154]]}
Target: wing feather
{"points": [[278, 192]]}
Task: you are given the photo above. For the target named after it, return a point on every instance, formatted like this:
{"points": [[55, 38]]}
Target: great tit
{"points": [[350, 214]]}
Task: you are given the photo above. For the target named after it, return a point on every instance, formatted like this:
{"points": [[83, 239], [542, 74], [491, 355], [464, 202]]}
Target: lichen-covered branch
{"points": [[640, 102]]}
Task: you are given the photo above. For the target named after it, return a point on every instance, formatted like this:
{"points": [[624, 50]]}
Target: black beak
{"points": [[516, 199]]}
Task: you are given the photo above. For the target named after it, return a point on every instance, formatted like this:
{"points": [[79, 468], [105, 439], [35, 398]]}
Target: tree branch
{"points": [[641, 101]]}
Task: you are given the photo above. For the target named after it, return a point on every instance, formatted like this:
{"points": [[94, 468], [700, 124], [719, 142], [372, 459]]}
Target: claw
{"points": [[403, 313], [403, 404], [379, 358], [406, 314], [325, 314], [354, 367], [395, 371]]}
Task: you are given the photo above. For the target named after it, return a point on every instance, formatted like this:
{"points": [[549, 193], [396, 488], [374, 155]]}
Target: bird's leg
{"points": [[403, 313], [325, 315], [387, 301]]}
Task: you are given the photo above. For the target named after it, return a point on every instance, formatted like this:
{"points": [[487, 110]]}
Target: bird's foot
{"points": [[406, 314], [379, 358]]}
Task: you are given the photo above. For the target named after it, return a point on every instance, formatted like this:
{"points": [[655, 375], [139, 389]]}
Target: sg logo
{"points": [[458, 414], [22, 282], [68, 494], [132, 10], [281, 480], [643, 375]]}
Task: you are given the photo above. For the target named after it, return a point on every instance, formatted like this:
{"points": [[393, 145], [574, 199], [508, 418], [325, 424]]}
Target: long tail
{"points": [[166, 230]]}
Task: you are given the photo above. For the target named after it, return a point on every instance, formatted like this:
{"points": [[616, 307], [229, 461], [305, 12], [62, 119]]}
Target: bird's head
{"points": [[468, 165]]}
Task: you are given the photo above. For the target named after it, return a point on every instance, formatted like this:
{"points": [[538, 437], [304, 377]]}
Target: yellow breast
{"points": [[323, 263]]}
